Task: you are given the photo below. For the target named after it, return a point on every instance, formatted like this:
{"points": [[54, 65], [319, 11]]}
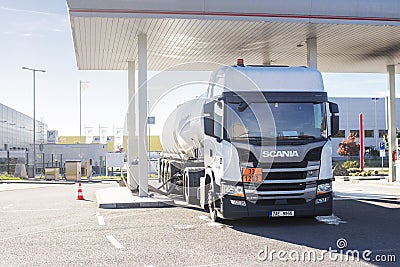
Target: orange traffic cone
{"points": [[80, 195]]}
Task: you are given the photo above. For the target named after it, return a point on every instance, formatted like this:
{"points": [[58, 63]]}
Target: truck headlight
{"points": [[233, 190], [324, 188]]}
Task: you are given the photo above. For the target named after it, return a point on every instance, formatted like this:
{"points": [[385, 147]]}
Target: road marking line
{"points": [[114, 242], [34, 210], [205, 218], [183, 226], [101, 220], [42, 231], [332, 220], [211, 223]]}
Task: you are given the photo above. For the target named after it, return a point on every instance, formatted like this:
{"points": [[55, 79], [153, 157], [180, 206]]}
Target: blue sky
{"points": [[37, 34]]}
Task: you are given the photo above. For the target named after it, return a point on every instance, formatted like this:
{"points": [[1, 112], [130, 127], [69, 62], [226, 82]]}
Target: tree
{"points": [[386, 138], [349, 147]]}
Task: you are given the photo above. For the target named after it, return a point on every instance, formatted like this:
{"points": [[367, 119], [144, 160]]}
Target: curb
{"points": [[34, 182], [361, 178], [48, 182], [130, 201]]}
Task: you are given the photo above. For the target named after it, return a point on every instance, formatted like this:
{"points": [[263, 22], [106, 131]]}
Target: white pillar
{"points": [[312, 53], [391, 69], [142, 103], [132, 142]]}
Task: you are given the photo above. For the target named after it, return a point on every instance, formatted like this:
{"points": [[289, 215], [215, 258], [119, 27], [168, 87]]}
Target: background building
{"points": [[16, 130], [16, 139], [374, 113], [155, 144]]}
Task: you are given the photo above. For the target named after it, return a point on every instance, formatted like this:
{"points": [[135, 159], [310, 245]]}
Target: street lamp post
{"points": [[82, 86], [375, 99], [34, 115]]}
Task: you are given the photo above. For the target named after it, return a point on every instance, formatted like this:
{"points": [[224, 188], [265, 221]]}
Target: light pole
{"points": [[82, 86], [375, 99], [34, 115]]}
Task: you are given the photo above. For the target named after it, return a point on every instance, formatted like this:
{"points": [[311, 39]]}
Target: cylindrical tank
{"points": [[183, 130]]}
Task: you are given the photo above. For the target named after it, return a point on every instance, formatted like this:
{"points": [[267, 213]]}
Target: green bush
{"points": [[351, 164], [353, 170], [8, 177]]}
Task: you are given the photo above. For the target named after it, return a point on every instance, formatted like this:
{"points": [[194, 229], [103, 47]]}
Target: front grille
{"points": [[312, 155], [290, 201], [286, 175], [281, 187], [283, 165], [287, 179]]}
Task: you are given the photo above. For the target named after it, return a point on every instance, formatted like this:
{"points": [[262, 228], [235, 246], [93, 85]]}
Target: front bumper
{"points": [[254, 209]]}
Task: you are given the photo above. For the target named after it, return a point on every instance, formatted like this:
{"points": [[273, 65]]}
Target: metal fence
{"points": [[9, 160]]}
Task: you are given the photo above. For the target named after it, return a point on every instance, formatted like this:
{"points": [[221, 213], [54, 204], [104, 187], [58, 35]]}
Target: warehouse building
{"points": [[374, 114], [16, 130]]}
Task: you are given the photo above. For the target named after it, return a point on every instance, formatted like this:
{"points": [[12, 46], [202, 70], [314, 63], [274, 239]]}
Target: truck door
{"points": [[213, 128]]}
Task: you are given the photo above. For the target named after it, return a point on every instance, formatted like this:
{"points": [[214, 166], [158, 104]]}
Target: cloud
{"points": [[29, 22], [29, 11]]}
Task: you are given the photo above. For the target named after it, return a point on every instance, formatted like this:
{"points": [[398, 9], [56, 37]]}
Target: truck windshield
{"points": [[290, 121]]}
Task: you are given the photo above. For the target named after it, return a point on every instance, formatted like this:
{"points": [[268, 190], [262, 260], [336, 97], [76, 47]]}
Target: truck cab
{"points": [[267, 147]]}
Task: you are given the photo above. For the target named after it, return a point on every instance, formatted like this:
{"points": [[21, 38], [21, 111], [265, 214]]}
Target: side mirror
{"points": [[334, 109], [212, 119], [208, 126], [334, 125]]}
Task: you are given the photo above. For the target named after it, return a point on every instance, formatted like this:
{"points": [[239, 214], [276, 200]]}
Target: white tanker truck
{"points": [[256, 144]]}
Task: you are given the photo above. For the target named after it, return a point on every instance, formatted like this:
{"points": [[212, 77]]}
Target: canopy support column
{"points": [[142, 104], [312, 53], [132, 142], [391, 70]]}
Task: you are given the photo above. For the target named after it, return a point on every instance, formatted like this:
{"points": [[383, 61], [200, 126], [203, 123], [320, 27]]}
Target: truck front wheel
{"points": [[211, 204]]}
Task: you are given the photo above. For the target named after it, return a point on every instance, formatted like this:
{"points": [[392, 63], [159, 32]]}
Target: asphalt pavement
{"points": [[44, 225]]}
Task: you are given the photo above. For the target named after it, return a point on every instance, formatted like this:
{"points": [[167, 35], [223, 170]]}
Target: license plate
{"points": [[281, 213], [252, 175]]}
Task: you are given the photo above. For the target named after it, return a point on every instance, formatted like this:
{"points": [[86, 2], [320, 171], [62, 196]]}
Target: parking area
{"points": [[47, 226]]}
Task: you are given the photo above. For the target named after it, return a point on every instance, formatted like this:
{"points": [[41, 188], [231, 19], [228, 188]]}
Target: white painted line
{"points": [[183, 226], [114, 242], [332, 220], [42, 231], [205, 218], [211, 223], [215, 224], [101, 220]]}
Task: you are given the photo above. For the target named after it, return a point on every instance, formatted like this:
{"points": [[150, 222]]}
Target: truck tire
{"points": [[212, 204], [189, 191], [160, 170], [164, 175], [170, 172]]}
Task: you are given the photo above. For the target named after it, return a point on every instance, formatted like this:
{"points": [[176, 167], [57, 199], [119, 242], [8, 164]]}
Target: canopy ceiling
{"points": [[268, 32]]}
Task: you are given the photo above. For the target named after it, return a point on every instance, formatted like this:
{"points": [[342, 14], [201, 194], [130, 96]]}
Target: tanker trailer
{"points": [[257, 145], [182, 160]]}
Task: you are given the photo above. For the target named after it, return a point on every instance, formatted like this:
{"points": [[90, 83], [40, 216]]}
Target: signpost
{"points": [[362, 147], [382, 151], [151, 120]]}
